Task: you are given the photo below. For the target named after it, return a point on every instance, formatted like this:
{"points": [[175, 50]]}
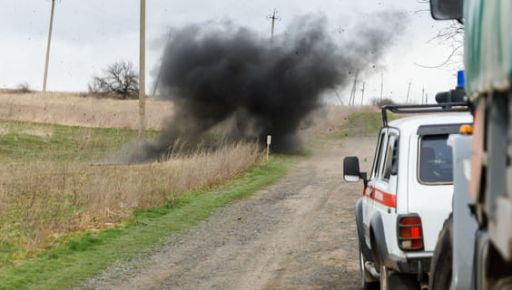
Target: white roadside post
{"points": [[269, 141]]}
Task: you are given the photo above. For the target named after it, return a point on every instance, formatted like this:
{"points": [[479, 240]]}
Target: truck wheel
{"points": [[441, 266], [395, 281], [367, 281]]}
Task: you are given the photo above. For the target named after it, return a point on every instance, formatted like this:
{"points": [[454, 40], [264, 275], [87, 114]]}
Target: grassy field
{"points": [[79, 256], [73, 109], [66, 214], [23, 141], [362, 123], [53, 182]]}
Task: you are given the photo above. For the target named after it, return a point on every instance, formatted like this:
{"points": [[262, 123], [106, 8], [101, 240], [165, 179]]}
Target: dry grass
{"points": [[43, 199], [73, 110], [330, 119], [48, 187]]}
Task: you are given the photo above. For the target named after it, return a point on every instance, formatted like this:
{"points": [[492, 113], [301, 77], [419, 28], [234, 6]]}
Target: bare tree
{"points": [[23, 88], [119, 80], [451, 36]]}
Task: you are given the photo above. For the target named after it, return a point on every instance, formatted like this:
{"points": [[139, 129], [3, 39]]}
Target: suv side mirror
{"points": [[447, 9], [351, 172]]}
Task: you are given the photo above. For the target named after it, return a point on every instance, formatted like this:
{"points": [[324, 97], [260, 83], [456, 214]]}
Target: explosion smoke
{"points": [[215, 72]]}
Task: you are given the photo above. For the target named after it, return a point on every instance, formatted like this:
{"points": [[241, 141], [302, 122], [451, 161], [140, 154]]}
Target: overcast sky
{"points": [[88, 35]]}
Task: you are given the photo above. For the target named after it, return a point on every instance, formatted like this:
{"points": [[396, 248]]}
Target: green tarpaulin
{"points": [[488, 45]]}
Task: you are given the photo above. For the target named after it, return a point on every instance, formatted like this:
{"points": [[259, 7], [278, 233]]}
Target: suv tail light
{"points": [[410, 234]]}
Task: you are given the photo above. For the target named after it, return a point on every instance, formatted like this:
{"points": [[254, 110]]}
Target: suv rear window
{"points": [[435, 164]]}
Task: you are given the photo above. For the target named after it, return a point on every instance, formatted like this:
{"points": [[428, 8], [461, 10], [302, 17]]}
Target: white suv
{"points": [[407, 195]]}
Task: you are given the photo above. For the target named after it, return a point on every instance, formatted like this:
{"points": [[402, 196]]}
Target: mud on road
{"points": [[296, 234]]}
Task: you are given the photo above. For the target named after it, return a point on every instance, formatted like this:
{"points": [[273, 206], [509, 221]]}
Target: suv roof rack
{"points": [[423, 109]]}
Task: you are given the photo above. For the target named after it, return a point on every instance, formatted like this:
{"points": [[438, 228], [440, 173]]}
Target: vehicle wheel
{"points": [[504, 284], [394, 281], [367, 281], [441, 266]]}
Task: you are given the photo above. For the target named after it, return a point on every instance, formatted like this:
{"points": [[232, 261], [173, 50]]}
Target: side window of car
{"points": [[391, 160], [378, 155]]}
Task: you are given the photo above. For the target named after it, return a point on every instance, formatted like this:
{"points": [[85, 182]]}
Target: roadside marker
{"points": [[269, 141]]}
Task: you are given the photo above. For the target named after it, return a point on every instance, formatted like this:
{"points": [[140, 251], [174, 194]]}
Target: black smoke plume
{"points": [[217, 72]]}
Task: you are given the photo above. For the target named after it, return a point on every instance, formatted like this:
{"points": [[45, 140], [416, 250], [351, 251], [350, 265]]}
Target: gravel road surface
{"points": [[297, 234]]}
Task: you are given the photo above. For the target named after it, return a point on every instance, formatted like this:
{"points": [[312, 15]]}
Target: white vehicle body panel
{"points": [[403, 193]]}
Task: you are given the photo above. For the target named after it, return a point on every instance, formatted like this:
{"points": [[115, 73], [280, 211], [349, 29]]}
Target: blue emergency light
{"points": [[460, 79]]}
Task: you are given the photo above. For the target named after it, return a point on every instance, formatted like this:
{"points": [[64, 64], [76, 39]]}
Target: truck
{"points": [[488, 75]]}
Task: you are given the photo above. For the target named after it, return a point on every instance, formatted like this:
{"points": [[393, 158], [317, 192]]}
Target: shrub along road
{"points": [[297, 234]]}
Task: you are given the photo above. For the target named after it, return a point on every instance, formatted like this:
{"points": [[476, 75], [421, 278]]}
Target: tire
{"points": [[367, 281], [504, 284], [390, 280], [442, 261]]}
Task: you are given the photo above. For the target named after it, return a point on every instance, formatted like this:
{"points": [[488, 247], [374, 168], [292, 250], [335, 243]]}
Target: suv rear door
{"points": [[431, 184]]}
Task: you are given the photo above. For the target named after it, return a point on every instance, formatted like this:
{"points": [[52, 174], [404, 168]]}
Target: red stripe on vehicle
{"points": [[382, 197]]}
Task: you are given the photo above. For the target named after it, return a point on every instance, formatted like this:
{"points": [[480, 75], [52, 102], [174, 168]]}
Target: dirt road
{"points": [[296, 234]]}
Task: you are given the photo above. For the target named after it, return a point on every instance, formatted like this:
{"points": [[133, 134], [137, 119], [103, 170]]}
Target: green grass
{"points": [[83, 255], [362, 124], [23, 141]]}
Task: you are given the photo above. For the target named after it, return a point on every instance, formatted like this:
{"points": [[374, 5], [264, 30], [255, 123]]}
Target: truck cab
{"points": [[407, 195]]}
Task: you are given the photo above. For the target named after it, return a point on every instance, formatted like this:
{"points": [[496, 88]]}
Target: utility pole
{"points": [[423, 95], [381, 85], [353, 91], [157, 81], [362, 93], [142, 71], [408, 92], [47, 61], [338, 97], [273, 18]]}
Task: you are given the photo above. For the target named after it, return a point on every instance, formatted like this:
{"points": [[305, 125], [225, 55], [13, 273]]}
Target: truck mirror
{"points": [[447, 9], [351, 172]]}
